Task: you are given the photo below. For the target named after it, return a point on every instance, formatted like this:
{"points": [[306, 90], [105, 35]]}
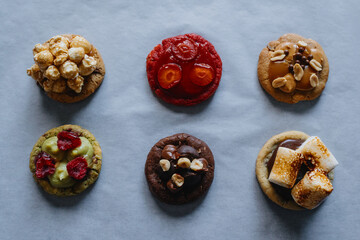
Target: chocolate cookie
{"points": [[67, 67], [179, 169], [284, 192], [66, 160], [293, 69], [184, 70]]}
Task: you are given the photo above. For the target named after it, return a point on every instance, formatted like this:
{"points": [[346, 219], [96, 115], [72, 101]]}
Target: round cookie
{"points": [[179, 154], [293, 69], [262, 172], [184, 70], [60, 89], [63, 158]]}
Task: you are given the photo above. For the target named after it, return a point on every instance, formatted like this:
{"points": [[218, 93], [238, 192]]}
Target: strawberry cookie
{"points": [[66, 160], [67, 67], [184, 70]]}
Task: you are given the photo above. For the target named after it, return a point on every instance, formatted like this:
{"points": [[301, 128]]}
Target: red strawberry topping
{"points": [[77, 168], [169, 75], [68, 140], [44, 165]]}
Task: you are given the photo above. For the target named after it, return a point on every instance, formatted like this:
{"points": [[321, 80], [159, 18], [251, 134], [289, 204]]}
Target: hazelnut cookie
{"points": [[179, 169]]}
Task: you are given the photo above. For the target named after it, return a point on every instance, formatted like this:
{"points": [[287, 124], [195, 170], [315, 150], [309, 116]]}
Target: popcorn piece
{"points": [[60, 59], [313, 148], [52, 73], [81, 42], [47, 85], [312, 189], [44, 59], [59, 86], [76, 83], [286, 167], [76, 54], [35, 72], [69, 70], [87, 66], [40, 47], [59, 45]]}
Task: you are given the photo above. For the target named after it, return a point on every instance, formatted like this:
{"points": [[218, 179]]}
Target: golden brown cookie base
{"points": [[262, 172], [94, 168], [296, 96], [91, 82]]}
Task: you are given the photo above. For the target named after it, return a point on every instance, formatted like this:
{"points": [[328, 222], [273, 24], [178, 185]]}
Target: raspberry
{"points": [[44, 165], [68, 140], [77, 168]]}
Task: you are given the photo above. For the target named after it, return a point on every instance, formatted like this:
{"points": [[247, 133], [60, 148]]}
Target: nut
{"points": [[314, 80], [52, 73], [76, 54], [302, 43], [272, 45], [40, 47], [298, 72], [177, 179], [170, 152], [60, 59], [68, 70], [196, 165], [59, 86], [87, 66], [278, 82], [35, 72], [184, 163], [81, 42], [44, 59], [315, 65], [76, 83], [290, 83], [277, 55], [165, 165]]}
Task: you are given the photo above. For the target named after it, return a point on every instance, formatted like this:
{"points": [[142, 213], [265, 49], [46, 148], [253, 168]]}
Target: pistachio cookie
{"points": [[66, 160], [184, 70], [67, 67], [294, 170], [293, 69], [179, 169]]}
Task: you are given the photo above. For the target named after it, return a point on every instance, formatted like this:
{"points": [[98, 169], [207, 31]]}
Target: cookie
{"points": [[66, 160], [286, 166], [179, 169], [293, 69], [67, 67], [184, 70]]}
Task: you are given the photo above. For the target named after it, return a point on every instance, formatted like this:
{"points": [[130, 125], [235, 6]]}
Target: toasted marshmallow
{"points": [[313, 148], [312, 189], [286, 167]]}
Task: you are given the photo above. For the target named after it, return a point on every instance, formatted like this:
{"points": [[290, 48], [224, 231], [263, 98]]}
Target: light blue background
{"points": [[127, 119]]}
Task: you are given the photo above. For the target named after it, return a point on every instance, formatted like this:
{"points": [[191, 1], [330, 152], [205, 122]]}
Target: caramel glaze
{"points": [[292, 144], [281, 68]]}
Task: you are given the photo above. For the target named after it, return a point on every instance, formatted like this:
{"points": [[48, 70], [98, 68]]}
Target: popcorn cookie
{"points": [[66, 160], [293, 69], [179, 169], [184, 70], [67, 67], [294, 170]]}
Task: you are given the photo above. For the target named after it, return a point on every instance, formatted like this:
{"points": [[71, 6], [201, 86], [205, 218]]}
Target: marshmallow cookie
{"points": [[293, 69], [294, 170], [179, 169], [184, 70], [66, 160], [67, 67]]}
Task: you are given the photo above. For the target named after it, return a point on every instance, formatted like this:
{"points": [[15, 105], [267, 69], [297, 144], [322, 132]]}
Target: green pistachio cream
{"points": [[61, 178]]}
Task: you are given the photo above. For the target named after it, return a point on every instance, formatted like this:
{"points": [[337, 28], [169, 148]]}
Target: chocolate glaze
{"points": [[291, 144]]}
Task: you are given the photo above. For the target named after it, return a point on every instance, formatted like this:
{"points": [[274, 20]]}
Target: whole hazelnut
{"points": [[170, 152]]}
